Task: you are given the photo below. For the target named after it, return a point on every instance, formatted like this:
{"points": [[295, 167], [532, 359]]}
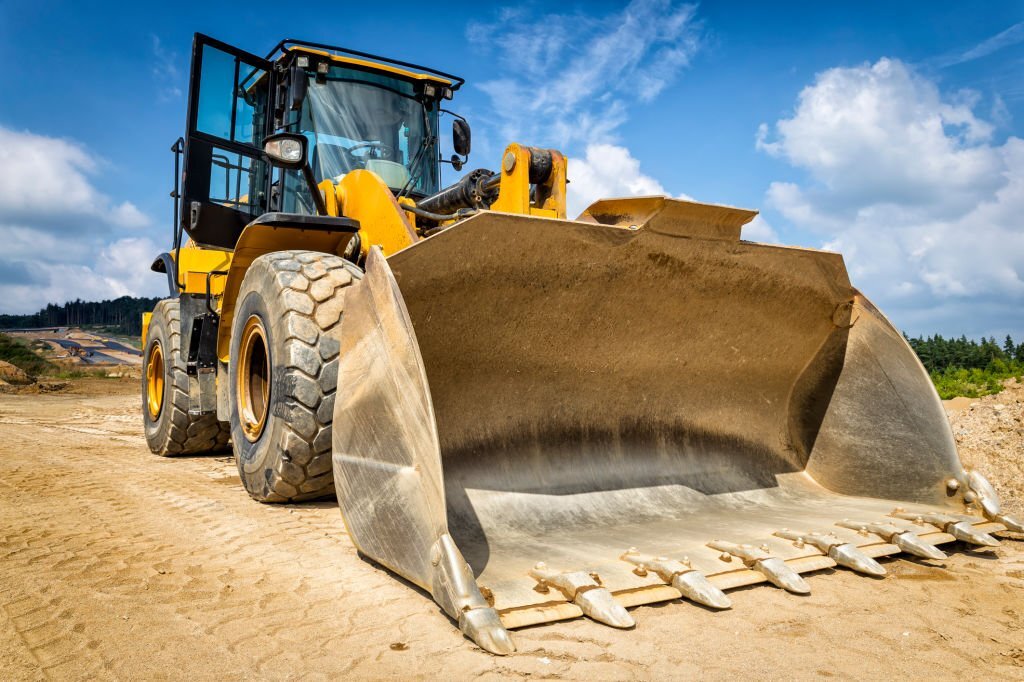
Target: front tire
{"points": [[283, 373], [170, 429]]}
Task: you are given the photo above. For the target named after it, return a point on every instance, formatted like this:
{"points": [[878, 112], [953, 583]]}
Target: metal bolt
{"points": [[725, 556], [970, 496], [953, 484], [509, 162]]}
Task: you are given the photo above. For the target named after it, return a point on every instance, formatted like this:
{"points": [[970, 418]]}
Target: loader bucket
{"points": [[628, 408]]}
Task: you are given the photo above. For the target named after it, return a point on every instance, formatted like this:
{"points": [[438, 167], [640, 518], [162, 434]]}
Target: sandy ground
{"points": [[115, 564]]}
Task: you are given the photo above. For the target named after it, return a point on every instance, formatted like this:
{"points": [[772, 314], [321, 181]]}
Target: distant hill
{"points": [[118, 316]]}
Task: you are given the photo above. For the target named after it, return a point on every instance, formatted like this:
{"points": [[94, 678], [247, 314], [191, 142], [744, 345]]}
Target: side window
{"points": [[230, 177], [230, 98]]}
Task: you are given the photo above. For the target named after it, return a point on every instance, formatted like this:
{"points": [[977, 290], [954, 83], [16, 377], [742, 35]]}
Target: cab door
{"points": [[226, 183]]}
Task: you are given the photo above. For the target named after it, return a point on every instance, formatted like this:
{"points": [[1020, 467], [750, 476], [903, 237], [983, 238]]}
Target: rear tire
{"points": [[283, 373], [170, 429]]}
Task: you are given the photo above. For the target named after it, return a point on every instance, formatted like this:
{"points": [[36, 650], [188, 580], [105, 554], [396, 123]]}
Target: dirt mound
{"points": [[990, 435], [12, 374]]}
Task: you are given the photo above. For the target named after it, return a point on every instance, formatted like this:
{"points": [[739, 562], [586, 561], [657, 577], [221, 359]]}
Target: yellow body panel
{"points": [[146, 317], [194, 263], [376, 66], [363, 196]]}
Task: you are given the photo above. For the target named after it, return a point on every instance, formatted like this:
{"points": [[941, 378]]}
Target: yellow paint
{"points": [[195, 262], [252, 390], [514, 190], [155, 380], [363, 196], [146, 317], [376, 66]]}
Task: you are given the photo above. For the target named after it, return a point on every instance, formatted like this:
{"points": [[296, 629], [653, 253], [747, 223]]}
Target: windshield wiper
{"points": [[428, 141]]}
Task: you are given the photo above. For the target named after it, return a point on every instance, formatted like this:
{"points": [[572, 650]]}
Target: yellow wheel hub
{"points": [[155, 380], [252, 390]]}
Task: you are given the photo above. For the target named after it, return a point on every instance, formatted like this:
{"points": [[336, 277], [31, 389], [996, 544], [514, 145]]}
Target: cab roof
{"points": [[366, 61]]}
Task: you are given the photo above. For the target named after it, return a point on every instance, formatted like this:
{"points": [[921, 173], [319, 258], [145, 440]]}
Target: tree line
{"points": [[120, 316], [965, 367], [938, 353]]}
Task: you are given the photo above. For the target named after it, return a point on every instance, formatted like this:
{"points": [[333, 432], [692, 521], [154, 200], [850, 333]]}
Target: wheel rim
{"points": [[155, 380], [253, 386]]}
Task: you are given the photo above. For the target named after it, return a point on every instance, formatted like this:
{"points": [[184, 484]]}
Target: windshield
{"points": [[356, 119]]}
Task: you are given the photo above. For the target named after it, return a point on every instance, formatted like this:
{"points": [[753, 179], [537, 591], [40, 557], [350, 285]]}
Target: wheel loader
{"points": [[530, 417]]}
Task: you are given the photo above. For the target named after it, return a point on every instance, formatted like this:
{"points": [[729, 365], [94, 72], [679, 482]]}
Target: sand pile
{"points": [[11, 374], [989, 433]]}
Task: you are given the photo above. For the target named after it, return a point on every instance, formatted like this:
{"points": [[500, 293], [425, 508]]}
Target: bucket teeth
{"points": [[781, 575], [965, 532], [849, 556], [772, 568], [691, 583], [910, 543], [906, 540], [484, 627], [584, 590], [599, 604], [843, 553], [985, 495], [695, 587], [959, 527], [1011, 523]]}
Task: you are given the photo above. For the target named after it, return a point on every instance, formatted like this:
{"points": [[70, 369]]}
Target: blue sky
{"points": [[892, 135]]}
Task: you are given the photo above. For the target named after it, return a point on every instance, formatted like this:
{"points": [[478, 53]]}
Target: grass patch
{"points": [[22, 356], [952, 382]]}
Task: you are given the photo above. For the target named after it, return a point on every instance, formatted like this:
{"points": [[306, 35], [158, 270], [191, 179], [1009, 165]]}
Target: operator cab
{"points": [[356, 111]]}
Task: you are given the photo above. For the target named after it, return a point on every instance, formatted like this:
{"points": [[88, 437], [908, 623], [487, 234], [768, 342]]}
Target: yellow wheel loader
{"points": [[530, 417]]}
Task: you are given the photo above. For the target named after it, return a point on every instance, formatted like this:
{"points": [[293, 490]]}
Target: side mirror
{"points": [[286, 150], [289, 151], [297, 86], [461, 137]]}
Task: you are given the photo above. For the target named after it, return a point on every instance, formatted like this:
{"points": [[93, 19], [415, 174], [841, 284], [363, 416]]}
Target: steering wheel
{"points": [[374, 150]]}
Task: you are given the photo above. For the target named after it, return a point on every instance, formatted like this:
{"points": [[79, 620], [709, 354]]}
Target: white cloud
{"points": [[165, 70], [45, 181], [909, 184], [1003, 39], [571, 77], [607, 171], [760, 230], [62, 237]]}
